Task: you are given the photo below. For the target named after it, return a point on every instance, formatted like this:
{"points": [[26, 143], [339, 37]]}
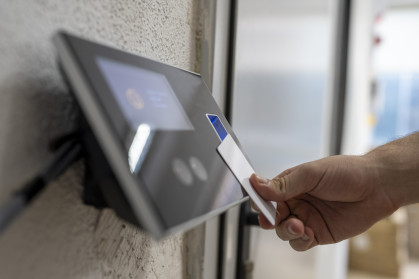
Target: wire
{"points": [[66, 154]]}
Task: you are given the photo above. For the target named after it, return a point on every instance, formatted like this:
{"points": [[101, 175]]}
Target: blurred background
{"points": [[284, 87]]}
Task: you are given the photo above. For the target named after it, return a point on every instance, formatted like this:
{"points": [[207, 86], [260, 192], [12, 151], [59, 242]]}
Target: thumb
{"points": [[285, 186]]}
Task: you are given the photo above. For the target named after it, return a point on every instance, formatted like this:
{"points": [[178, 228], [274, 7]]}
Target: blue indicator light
{"points": [[218, 126]]}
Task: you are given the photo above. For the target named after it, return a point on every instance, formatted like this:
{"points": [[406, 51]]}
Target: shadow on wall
{"points": [[35, 109]]}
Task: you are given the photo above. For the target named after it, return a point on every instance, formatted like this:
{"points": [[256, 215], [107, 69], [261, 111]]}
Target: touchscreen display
{"points": [[145, 97]]}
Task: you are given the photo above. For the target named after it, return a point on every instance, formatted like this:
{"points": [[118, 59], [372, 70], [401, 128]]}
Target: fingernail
{"points": [[305, 237], [291, 231], [261, 180]]}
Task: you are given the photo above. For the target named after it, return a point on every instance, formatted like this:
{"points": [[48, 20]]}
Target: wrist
{"points": [[395, 169]]}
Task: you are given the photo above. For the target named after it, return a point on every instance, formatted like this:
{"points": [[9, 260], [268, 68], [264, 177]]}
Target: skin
{"points": [[335, 198]]}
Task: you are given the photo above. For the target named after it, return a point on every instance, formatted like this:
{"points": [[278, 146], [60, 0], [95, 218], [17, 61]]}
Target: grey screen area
{"points": [[145, 97]]}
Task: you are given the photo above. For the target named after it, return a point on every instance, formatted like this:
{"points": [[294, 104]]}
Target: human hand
{"points": [[324, 201]]}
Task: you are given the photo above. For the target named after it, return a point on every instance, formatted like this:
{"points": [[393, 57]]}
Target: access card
{"points": [[242, 170]]}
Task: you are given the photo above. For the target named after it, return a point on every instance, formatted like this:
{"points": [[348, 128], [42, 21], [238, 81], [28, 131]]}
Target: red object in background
{"points": [[377, 40]]}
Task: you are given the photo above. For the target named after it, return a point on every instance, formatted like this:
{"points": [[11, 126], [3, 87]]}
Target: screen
{"points": [[144, 96]]}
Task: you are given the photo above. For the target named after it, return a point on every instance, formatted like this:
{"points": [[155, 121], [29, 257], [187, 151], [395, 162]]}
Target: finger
{"points": [[271, 190], [288, 184], [262, 187], [305, 242], [282, 211], [290, 229], [254, 206], [264, 223]]}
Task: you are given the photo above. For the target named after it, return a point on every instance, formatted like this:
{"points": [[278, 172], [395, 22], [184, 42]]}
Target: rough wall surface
{"points": [[58, 236]]}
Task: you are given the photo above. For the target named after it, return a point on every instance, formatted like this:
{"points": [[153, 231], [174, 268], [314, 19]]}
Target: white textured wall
{"points": [[58, 236]]}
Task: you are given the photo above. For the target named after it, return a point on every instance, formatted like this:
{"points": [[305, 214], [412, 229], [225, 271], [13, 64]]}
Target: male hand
{"points": [[324, 201]]}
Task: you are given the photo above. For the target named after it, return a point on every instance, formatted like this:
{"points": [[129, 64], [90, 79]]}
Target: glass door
{"points": [[281, 104]]}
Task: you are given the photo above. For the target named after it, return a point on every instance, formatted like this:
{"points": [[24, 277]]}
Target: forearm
{"points": [[395, 168]]}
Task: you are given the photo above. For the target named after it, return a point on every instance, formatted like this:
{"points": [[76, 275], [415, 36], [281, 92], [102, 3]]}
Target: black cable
{"points": [[65, 155]]}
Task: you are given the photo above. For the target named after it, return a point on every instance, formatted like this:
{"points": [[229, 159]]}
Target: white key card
{"points": [[242, 170]]}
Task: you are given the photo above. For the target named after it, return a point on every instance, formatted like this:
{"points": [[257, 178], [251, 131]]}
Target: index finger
{"points": [[282, 213]]}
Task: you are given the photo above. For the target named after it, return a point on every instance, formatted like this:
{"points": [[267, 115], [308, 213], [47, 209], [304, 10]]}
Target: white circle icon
{"points": [[198, 168], [182, 172]]}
